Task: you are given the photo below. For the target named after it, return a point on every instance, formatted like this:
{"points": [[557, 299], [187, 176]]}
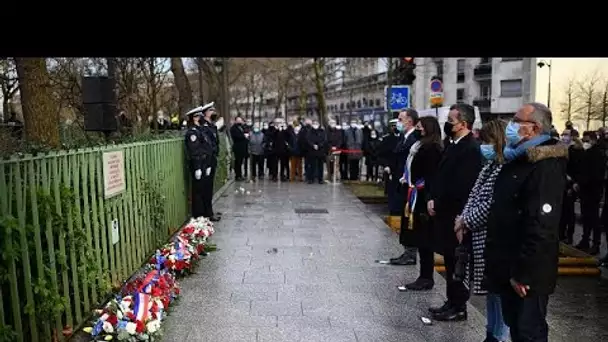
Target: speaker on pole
{"points": [[99, 100]]}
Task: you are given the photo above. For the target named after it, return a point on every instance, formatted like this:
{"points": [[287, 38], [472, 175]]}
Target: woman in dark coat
{"points": [[371, 148], [421, 166]]}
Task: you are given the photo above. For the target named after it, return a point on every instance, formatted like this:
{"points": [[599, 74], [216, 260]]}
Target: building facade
{"points": [[498, 86]]}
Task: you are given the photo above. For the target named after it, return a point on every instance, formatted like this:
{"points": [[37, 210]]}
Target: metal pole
{"points": [[549, 86]]}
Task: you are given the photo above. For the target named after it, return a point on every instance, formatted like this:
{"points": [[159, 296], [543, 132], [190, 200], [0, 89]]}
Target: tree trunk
{"points": [[320, 85], [40, 114], [604, 107], [184, 91], [201, 90]]}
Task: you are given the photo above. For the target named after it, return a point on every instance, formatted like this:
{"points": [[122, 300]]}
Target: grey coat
{"points": [[256, 144], [354, 142]]}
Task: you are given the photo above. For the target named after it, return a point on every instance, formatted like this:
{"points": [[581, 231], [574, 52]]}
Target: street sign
{"points": [[398, 99], [436, 97]]}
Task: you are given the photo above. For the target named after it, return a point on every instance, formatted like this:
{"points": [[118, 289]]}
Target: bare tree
{"points": [[320, 79], [571, 93], [40, 112], [182, 84], [589, 95], [9, 83]]}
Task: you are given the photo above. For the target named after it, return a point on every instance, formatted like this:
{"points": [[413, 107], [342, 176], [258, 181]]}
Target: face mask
{"points": [[315, 126], [353, 125], [373, 136], [296, 130], [213, 117], [447, 129], [248, 123], [586, 145], [332, 124], [400, 126], [488, 152], [566, 139], [338, 127], [307, 123], [512, 133], [265, 126]]}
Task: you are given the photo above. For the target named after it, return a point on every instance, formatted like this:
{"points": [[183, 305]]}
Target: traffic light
{"points": [[405, 71]]}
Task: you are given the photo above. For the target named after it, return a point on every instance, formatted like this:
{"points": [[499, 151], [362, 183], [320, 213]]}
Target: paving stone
{"points": [[306, 335]]}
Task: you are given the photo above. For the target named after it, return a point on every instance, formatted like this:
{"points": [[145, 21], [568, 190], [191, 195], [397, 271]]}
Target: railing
{"points": [[60, 252]]}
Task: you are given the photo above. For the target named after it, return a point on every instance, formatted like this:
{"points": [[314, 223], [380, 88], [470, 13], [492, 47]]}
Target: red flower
{"points": [[200, 248], [131, 316], [152, 260], [188, 230], [140, 327], [112, 319], [165, 301], [176, 290], [156, 292]]}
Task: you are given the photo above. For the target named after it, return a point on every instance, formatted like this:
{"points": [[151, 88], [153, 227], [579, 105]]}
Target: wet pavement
{"points": [[287, 276]]}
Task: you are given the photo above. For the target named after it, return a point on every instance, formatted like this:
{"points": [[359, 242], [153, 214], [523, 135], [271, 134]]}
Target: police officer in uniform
{"points": [[202, 146]]}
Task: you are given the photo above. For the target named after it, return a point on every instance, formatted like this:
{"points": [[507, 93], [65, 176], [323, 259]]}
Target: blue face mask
{"points": [[488, 151], [512, 134], [400, 126]]}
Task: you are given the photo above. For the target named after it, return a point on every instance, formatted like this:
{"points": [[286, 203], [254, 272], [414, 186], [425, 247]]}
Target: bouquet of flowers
{"points": [[136, 317], [137, 312]]}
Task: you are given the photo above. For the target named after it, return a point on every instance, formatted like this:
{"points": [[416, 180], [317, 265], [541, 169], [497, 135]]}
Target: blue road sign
{"points": [[398, 99], [436, 86]]}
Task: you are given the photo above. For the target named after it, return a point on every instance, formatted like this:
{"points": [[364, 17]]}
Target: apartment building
{"points": [[498, 86]]}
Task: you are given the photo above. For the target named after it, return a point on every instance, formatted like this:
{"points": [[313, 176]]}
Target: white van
{"points": [[441, 114]]}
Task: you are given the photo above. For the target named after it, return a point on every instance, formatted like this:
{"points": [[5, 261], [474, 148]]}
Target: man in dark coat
{"points": [[316, 140], [282, 149], [240, 143], [385, 153], [589, 184], [303, 145], [458, 170], [522, 244], [270, 144], [406, 125]]}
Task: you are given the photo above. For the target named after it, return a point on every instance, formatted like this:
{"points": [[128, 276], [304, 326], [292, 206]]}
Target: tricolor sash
{"points": [[410, 203]]}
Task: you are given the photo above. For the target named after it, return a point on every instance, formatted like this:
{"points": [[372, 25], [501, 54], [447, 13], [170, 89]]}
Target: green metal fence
{"points": [[60, 251]]}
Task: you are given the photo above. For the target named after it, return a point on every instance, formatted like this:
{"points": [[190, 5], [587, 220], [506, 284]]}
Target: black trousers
{"points": [[238, 165], [316, 169], [272, 164], [308, 167], [202, 194], [568, 219], [284, 161], [372, 172], [353, 169], [457, 293], [590, 206], [526, 317], [246, 165], [257, 166], [343, 167], [427, 263]]}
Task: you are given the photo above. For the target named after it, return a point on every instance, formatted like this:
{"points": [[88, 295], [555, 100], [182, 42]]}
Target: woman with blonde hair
{"points": [[474, 218]]}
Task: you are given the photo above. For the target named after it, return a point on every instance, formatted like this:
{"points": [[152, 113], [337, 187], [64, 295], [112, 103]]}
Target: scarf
{"points": [[512, 153]]}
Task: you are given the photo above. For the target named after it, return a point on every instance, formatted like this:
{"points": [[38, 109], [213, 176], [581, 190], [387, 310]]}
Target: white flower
{"points": [[119, 314], [107, 327], [131, 328], [153, 326], [171, 257]]}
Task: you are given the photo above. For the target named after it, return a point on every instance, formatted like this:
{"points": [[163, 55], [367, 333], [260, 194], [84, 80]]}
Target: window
{"points": [[508, 59], [485, 91], [352, 104], [342, 106], [377, 102], [485, 60], [460, 64], [359, 104], [460, 78], [439, 66], [364, 102], [460, 95], [510, 88]]}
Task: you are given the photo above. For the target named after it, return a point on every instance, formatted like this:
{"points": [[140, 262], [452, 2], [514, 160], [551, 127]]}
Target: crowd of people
{"points": [[491, 204], [301, 151]]}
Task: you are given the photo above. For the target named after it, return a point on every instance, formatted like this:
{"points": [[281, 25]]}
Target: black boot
{"points": [[405, 260], [453, 314], [438, 309], [421, 284]]}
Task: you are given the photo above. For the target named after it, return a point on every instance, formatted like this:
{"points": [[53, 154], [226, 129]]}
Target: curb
{"points": [[221, 191]]}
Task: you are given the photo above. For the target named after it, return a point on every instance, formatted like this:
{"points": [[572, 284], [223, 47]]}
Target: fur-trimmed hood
{"points": [[541, 152]]}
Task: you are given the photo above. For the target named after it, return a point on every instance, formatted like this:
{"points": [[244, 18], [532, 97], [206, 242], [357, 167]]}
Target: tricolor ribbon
{"points": [[410, 204], [142, 306], [146, 285]]}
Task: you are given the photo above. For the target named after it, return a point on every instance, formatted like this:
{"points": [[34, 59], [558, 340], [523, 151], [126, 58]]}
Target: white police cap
{"points": [[200, 109], [393, 121]]}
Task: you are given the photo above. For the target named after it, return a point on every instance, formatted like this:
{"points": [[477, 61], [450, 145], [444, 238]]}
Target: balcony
{"points": [[484, 104], [483, 71]]}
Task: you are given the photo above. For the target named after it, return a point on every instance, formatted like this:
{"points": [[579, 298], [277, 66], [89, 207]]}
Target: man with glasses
{"points": [[455, 177], [522, 245]]}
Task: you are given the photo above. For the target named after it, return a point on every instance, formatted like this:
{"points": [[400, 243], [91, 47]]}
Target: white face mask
{"points": [[338, 127], [373, 136], [353, 125], [256, 129], [297, 129], [248, 123], [315, 126], [332, 124], [586, 145], [265, 126]]}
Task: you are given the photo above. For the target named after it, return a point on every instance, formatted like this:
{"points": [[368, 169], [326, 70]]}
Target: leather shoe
{"points": [[453, 314], [214, 218], [397, 258], [421, 284], [406, 260], [438, 309]]}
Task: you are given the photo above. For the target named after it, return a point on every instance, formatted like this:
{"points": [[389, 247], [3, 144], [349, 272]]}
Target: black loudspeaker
{"points": [[98, 89], [99, 100], [100, 117]]}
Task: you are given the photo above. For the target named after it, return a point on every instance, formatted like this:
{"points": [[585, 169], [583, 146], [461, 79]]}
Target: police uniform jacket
{"points": [[210, 131], [523, 240], [199, 148]]}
